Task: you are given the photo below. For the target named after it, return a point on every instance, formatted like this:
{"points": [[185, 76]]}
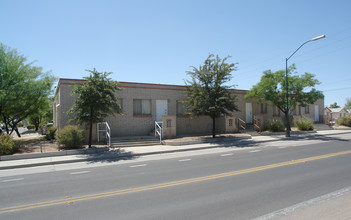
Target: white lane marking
{"points": [[253, 151], [224, 155], [12, 180], [182, 160], [323, 198], [139, 165], [282, 147], [80, 172]]}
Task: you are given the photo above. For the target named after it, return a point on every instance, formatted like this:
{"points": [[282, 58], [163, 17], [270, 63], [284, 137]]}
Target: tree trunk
{"points": [[213, 127], [17, 132]]}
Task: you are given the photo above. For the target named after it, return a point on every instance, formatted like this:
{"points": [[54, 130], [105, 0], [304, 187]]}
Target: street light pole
{"points": [[287, 84]]}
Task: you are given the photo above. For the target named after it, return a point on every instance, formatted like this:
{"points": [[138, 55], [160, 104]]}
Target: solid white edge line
{"points": [[140, 165], [285, 211], [12, 180], [79, 172]]}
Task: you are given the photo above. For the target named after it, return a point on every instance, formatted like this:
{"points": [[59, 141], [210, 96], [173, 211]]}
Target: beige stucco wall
{"points": [[130, 125]]}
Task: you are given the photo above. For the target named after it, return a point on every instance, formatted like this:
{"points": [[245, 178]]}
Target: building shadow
{"points": [[110, 156]]}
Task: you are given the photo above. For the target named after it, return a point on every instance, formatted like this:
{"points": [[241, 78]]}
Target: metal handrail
{"points": [[108, 134], [256, 124], [107, 130], [159, 130], [241, 124]]}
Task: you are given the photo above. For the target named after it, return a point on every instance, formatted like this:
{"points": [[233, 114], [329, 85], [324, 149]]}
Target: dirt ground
{"points": [[33, 142]]}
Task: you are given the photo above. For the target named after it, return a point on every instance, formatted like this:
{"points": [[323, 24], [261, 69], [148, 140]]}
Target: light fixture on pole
{"points": [[287, 83]]}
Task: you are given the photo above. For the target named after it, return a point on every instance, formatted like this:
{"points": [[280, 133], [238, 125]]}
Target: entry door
{"points": [[161, 109], [316, 113], [249, 113]]}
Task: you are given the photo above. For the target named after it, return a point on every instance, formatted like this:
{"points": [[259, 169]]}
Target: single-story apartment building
{"points": [[145, 103], [333, 114]]}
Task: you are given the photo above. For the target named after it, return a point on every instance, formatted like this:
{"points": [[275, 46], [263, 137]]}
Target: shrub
{"points": [[275, 126], [304, 124], [50, 134], [30, 127], [71, 137], [344, 121], [7, 145]]}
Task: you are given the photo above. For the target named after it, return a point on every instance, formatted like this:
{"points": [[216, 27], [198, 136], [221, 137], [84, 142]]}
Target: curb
{"points": [[53, 154], [181, 143], [123, 155]]}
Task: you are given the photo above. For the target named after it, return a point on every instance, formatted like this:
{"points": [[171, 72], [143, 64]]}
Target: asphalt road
{"points": [[219, 184]]}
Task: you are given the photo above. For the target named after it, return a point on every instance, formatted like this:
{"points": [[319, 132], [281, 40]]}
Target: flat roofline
{"points": [[138, 83]]}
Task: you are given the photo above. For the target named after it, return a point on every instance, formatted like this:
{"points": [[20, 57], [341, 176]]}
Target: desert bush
{"points": [[344, 121], [50, 134], [275, 126], [7, 144], [304, 124], [71, 137], [30, 127]]}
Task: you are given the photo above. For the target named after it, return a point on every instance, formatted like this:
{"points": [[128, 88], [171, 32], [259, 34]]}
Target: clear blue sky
{"points": [[158, 41]]}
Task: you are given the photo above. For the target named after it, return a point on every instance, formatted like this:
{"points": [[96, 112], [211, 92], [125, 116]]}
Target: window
{"points": [[307, 109], [142, 107], [181, 109], [263, 107], [276, 111], [231, 122]]}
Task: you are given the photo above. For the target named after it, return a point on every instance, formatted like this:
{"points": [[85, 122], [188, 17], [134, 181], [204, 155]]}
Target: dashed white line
{"points": [[254, 151], [282, 147], [80, 172], [182, 160], [12, 180], [224, 155], [139, 165]]}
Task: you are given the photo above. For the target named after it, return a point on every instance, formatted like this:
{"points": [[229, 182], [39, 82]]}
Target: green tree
{"points": [[272, 87], [43, 115], [23, 88], [348, 104], [334, 105], [207, 93], [95, 100]]}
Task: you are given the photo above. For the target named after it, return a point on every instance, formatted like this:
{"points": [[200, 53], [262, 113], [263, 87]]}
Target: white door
{"points": [[161, 109], [316, 113], [249, 113]]}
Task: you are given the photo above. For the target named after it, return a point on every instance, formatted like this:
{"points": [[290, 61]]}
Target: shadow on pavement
{"points": [[110, 156], [252, 143]]}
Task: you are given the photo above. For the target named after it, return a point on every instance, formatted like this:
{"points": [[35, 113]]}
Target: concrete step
{"points": [[134, 141]]}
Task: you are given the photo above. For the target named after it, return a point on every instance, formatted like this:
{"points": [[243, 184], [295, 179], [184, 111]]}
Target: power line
{"points": [[329, 90]]}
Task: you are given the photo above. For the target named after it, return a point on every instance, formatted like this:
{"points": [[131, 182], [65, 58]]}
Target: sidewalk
{"points": [[31, 160]]}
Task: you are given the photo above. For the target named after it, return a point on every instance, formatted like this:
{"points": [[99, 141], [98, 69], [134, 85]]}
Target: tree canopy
{"points": [[24, 88], [272, 88], [43, 115], [334, 105], [207, 92], [95, 100]]}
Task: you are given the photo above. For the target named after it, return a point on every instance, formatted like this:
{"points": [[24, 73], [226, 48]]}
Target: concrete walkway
{"points": [[30, 160]]}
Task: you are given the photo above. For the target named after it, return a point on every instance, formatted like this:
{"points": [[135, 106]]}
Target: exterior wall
{"points": [[139, 125], [334, 115]]}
